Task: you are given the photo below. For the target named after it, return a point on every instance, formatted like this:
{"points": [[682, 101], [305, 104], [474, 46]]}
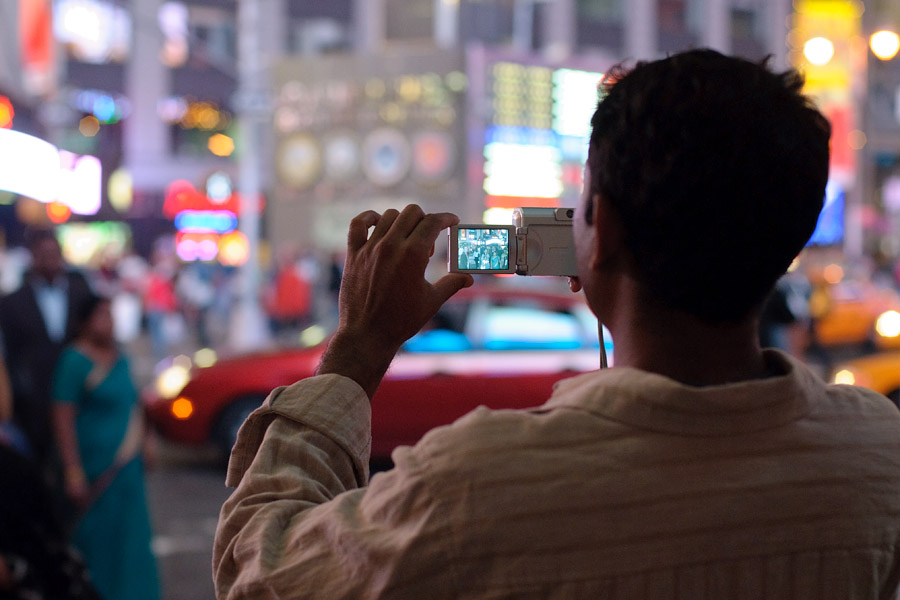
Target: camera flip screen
{"points": [[483, 249]]}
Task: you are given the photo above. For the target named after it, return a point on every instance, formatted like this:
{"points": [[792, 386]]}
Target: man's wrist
{"points": [[359, 356]]}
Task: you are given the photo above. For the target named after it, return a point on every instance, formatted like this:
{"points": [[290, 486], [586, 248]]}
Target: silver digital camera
{"points": [[539, 242]]}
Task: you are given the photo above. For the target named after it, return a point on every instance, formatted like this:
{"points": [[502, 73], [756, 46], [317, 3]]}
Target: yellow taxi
{"points": [[849, 308], [856, 312], [879, 372]]}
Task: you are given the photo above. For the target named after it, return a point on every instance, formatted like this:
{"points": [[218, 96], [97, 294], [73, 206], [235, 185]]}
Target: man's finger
{"points": [[359, 228], [451, 283], [384, 224], [428, 228], [408, 220]]}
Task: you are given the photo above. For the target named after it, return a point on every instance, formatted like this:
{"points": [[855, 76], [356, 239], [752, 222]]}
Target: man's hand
{"points": [[385, 298]]}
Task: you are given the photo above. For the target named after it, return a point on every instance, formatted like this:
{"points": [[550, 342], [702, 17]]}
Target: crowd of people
{"points": [[484, 249], [83, 531], [70, 415], [702, 465]]}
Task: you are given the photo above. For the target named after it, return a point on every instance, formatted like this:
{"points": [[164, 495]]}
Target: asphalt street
{"points": [[185, 493]]}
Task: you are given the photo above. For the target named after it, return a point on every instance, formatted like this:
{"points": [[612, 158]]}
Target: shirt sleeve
{"points": [[302, 523], [69, 376]]}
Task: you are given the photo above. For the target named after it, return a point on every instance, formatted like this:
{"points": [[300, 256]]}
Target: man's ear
{"points": [[607, 232]]}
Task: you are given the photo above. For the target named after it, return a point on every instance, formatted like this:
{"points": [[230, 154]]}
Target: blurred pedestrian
{"points": [[195, 291], [161, 305], [36, 560], [784, 321], [7, 430], [35, 321], [102, 440], [10, 434], [289, 296]]}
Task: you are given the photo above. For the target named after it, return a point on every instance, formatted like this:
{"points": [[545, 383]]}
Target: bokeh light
{"points": [[845, 376], [7, 112], [182, 408], [857, 139], [205, 357], [313, 336], [885, 44], [833, 274], [888, 324], [120, 190], [58, 212], [234, 249], [89, 126], [221, 145], [818, 51]]}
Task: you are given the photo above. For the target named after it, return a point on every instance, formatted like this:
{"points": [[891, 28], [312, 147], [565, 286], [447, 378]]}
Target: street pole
{"points": [[717, 25], [446, 23], [523, 25], [641, 30], [559, 29], [249, 330]]}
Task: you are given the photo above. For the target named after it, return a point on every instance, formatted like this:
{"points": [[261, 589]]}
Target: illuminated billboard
{"points": [[529, 143], [35, 168], [358, 132]]}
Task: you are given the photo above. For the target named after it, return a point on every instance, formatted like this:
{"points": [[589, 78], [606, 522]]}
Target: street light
{"points": [[884, 44]]}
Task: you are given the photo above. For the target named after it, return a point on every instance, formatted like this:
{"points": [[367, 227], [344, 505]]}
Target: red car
{"points": [[500, 347]]}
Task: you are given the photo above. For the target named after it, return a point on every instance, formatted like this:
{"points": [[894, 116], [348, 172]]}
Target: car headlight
{"points": [[844, 376], [888, 324], [171, 379]]}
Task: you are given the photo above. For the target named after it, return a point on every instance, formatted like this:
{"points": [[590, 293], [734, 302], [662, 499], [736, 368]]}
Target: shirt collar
{"points": [[59, 282], [654, 402]]}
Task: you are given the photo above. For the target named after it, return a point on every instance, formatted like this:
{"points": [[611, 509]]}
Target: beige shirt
{"points": [[625, 484]]}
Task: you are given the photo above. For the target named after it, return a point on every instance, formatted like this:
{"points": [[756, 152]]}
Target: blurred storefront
{"points": [[473, 106]]}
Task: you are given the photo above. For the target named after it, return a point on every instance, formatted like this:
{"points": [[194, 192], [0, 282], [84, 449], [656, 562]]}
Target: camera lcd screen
{"points": [[483, 249]]}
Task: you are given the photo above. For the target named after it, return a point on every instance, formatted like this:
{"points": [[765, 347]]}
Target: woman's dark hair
{"points": [[717, 168], [85, 311]]}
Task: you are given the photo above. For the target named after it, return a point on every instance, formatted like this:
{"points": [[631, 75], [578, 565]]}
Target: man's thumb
{"points": [[451, 283]]}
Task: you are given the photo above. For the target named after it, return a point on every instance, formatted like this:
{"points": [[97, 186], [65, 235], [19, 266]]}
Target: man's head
{"points": [[716, 169], [46, 256]]}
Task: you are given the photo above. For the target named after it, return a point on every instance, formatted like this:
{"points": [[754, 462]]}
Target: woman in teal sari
{"points": [[100, 434]]}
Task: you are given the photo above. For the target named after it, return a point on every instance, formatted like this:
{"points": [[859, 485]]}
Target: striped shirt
{"points": [[625, 484]]}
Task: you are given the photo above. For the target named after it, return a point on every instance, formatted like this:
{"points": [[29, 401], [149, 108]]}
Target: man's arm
{"points": [[300, 523]]}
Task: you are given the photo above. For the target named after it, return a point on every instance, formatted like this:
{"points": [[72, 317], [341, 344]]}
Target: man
{"points": [[701, 466], [36, 320]]}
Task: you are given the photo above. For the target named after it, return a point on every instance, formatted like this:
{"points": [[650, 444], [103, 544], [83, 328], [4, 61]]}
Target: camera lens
{"points": [[570, 213]]}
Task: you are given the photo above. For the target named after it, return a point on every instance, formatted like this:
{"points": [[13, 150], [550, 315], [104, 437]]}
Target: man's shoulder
{"points": [[848, 402], [78, 278], [507, 431], [17, 295]]}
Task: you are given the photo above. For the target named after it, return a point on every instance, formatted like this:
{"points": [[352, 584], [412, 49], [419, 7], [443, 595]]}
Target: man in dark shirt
{"points": [[36, 322]]}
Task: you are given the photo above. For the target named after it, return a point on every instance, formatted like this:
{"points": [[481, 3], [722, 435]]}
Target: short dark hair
{"points": [[85, 311], [717, 168]]}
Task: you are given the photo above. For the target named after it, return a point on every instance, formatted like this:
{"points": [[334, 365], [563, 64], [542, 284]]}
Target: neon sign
{"points": [[206, 221], [536, 132]]}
